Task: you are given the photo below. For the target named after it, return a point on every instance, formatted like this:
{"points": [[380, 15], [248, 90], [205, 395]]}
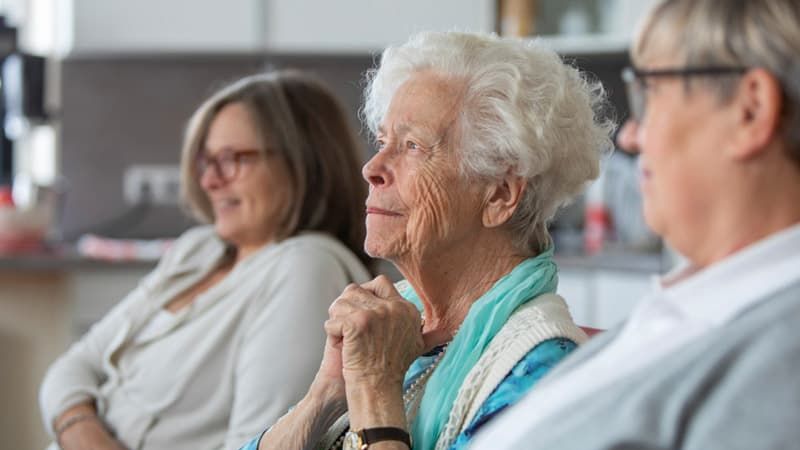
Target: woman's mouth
{"points": [[379, 211]]}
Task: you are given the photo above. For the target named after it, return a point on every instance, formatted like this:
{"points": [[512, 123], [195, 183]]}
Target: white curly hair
{"points": [[523, 110]]}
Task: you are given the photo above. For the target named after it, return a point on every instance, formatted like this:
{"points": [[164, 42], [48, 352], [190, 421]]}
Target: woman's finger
{"points": [[334, 328], [381, 286], [432, 338]]}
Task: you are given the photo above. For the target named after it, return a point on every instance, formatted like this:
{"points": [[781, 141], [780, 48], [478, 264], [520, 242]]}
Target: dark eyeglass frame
{"points": [[636, 82], [227, 164]]}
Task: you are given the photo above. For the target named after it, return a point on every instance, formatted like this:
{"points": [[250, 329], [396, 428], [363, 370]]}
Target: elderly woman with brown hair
{"points": [[226, 332], [479, 140]]}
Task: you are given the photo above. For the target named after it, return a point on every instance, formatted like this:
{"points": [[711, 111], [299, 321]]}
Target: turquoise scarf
{"points": [[531, 278]]}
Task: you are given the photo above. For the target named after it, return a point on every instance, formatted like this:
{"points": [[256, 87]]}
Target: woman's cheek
{"points": [[429, 221]]}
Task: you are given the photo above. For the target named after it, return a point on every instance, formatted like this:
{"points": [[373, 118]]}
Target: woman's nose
{"points": [[627, 136], [375, 170], [210, 178]]}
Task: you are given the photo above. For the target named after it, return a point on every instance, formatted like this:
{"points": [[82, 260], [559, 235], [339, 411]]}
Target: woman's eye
{"points": [[379, 144], [412, 145]]}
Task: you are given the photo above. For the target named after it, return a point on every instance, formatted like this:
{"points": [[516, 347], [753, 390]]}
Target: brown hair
{"points": [[300, 120]]}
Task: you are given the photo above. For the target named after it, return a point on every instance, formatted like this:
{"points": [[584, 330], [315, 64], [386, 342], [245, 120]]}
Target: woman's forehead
{"points": [[659, 41]]}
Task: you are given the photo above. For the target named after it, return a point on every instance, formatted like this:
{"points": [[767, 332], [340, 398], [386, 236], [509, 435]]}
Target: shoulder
{"points": [[312, 243], [310, 262], [523, 376], [765, 338], [765, 332], [314, 252], [195, 242], [536, 364], [745, 376], [544, 317]]}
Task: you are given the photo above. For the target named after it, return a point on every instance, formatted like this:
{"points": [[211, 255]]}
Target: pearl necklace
{"points": [[412, 397]]}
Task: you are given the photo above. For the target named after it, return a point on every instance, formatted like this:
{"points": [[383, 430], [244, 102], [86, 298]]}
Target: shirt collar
{"points": [[720, 292]]}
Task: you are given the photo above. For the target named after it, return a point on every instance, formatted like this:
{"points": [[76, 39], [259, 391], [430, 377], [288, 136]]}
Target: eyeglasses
{"points": [[636, 82], [226, 164]]}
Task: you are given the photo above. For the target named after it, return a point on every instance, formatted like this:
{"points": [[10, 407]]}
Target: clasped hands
{"points": [[373, 336]]}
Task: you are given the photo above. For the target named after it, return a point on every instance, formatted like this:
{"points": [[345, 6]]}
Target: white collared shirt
{"points": [[666, 320]]}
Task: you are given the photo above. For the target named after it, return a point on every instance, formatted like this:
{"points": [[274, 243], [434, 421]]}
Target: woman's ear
{"points": [[502, 199], [759, 101]]}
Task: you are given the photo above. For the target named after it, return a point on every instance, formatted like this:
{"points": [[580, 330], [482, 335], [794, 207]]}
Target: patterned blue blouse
{"points": [[519, 381], [522, 377]]}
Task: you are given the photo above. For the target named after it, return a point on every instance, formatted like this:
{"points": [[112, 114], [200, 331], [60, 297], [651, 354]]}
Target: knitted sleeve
{"points": [[528, 371]]}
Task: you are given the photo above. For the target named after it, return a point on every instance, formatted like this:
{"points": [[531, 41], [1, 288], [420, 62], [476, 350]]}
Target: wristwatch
{"points": [[361, 440]]}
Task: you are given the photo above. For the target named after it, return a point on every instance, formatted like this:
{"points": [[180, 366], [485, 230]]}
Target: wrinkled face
{"points": [[418, 203], [248, 206], [681, 141]]}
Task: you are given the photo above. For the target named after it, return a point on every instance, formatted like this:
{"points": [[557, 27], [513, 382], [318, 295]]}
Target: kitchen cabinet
{"points": [[34, 330], [575, 26], [147, 26], [45, 304], [281, 26], [366, 25], [602, 290]]}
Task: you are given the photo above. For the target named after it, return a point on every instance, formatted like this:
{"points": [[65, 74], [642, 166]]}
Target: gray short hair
{"points": [[523, 110], [761, 33], [301, 120]]}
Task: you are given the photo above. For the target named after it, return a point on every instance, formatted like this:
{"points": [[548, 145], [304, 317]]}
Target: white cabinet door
{"points": [[120, 26], [366, 25], [616, 295], [602, 298], [577, 288]]}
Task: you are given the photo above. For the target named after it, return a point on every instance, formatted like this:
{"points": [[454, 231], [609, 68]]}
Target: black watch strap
{"points": [[378, 434]]}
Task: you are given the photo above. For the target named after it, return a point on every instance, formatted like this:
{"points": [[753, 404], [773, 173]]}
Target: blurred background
{"points": [[94, 97]]}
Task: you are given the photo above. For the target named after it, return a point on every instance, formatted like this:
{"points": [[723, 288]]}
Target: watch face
{"points": [[352, 441]]}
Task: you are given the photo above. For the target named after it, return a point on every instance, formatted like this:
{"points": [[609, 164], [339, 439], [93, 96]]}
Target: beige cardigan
{"points": [[234, 362]]}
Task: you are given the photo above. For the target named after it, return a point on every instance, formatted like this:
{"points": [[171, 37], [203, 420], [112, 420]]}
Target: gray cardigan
{"points": [[735, 388]]}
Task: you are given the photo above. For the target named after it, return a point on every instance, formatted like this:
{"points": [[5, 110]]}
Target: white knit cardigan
{"points": [[545, 317]]}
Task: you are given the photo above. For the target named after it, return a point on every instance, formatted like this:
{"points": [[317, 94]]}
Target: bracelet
{"points": [[72, 421]]}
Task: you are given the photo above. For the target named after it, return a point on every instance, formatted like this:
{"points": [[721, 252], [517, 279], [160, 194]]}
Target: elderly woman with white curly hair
{"points": [[480, 140]]}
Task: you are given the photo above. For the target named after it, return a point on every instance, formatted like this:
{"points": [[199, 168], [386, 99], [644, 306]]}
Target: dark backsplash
{"points": [[117, 111]]}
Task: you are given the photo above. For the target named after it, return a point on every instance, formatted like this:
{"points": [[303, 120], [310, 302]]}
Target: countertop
{"points": [[66, 258]]}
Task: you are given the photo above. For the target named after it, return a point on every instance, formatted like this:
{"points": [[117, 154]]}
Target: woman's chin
{"points": [[226, 232], [377, 248]]}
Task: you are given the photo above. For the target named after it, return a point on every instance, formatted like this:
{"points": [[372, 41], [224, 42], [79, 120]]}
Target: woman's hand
{"points": [[379, 331], [373, 336], [380, 336]]}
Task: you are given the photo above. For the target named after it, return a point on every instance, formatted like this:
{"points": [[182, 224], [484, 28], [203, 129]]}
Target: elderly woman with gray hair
{"points": [[479, 140], [709, 359]]}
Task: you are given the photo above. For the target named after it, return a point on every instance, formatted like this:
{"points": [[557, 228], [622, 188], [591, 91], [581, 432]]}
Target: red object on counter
{"points": [[16, 239], [596, 228], [6, 197]]}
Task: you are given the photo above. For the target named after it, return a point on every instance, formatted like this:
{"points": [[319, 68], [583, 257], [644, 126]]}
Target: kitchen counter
{"points": [[46, 301], [64, 258], [622, 261], [67, 258]]}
